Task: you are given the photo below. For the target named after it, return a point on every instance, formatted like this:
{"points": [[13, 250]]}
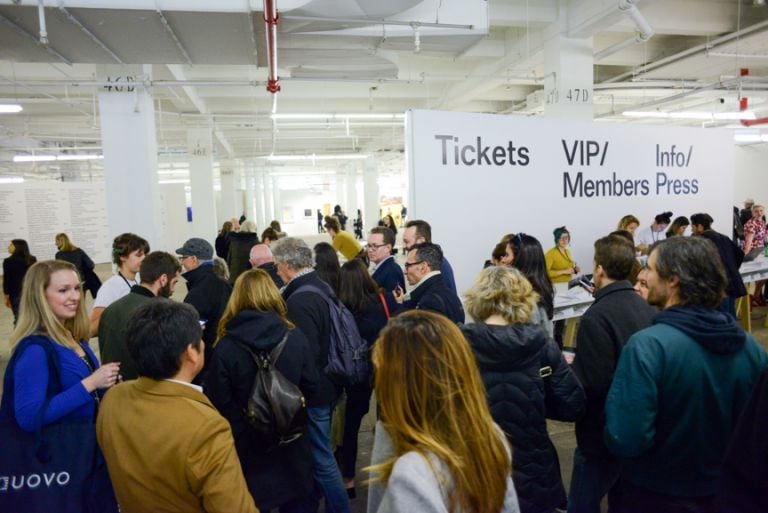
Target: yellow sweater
{"points": [[346, 244], [557, 261]]}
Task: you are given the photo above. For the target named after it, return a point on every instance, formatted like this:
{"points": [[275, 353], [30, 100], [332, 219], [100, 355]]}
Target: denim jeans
{"points": [[590, 482], [326, 471]]}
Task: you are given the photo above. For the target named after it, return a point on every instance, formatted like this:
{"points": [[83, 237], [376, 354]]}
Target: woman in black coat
{"points": [[365, 300], [526, 380], [222, 240], [239, 251], [256, 317], [14, 269], [77, 257]]}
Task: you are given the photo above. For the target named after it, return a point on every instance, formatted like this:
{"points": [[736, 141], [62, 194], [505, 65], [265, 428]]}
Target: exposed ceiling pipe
{"points": [[705, 47], [41, 16], [645, 31], [374, 21], [271, 20]]}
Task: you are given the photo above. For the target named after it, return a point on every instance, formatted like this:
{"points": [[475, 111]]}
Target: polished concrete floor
{"points": [[561, 433]]}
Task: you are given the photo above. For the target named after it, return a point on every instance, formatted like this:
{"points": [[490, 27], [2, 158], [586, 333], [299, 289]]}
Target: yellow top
{"points": [[346, 244], [558, 261]]}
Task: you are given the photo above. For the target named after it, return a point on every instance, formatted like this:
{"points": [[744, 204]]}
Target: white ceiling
{"points": [[207, 67]]}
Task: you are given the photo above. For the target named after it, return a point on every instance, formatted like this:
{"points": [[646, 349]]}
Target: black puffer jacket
{"points": [[512, 360], [284, 473]]}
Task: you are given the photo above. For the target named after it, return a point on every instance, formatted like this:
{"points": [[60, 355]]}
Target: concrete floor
{"points": [[561, 433]]}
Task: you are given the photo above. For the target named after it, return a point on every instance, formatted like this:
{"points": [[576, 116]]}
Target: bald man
{"points": [[261, 258]]}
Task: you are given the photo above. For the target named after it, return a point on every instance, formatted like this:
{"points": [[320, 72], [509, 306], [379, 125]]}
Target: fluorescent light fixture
{"points": [[33, 158], [179, 180], [750, 138], [704, 116], [11, 179], [642, 114], [9, 108], [364, 115], [50, 158], [313, 157]]}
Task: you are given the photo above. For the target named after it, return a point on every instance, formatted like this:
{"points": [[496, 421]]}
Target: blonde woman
{"points": [[628, 223], [437, 448], [77, 257], [526, 381], [255, 320]]}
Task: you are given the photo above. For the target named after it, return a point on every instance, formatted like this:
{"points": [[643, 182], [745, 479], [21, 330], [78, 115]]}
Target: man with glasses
{"points": [[428, 289], [386, 273], [207, 292]]}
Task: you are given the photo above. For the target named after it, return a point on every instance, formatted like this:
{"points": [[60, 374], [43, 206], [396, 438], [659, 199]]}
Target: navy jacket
{"points": [[274, 475], [447, 271], [271, 268], [732, 258], [434, 295], [389, 275], [617, 313], [310, 313], [512, 360]]}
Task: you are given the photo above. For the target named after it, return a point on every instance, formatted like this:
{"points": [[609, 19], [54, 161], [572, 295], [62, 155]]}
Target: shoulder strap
{"points": [[384, 304], [259, 357]]}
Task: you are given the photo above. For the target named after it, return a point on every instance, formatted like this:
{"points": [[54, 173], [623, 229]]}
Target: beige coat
{"points": [[169, 450]]}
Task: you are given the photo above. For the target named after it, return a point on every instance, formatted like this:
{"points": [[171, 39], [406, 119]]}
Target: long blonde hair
{"points": [[253, 290], [66, 244], [35, 314], [432, 401], [503, 291]]}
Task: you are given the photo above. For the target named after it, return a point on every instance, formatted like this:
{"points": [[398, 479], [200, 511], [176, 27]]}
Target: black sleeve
{"points": [[594, 363], [565, 400], [218, 385], [87, 262], [301, 311], [309, 382]]}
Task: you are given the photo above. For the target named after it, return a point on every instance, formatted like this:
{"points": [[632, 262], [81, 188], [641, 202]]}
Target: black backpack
{"points": [[348, 359], [276, 408]]}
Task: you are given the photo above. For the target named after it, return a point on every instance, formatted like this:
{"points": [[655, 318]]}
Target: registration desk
{"points": [[571, 304]]}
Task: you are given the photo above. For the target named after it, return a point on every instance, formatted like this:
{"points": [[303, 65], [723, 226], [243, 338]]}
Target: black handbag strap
{"points": [[274, 354]]}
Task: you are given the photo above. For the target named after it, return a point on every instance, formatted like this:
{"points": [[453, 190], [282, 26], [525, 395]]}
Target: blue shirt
{"points": [[31, 383]]}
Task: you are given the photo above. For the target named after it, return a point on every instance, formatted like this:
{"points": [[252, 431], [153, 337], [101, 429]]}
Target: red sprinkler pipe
{"points": [[744, 105], [271, 19]]}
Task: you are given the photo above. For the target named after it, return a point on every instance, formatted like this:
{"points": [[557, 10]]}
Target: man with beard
{"points": [[680, 385], [159, 274]]}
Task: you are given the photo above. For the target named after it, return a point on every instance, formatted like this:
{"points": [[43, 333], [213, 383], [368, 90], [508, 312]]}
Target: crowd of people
{"points": [[464, 385]]}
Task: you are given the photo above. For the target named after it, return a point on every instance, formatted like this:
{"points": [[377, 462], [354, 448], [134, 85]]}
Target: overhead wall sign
{"points": [[476, 177]]}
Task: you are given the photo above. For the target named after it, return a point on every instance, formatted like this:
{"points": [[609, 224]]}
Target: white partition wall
{"points": [[476, 177]]}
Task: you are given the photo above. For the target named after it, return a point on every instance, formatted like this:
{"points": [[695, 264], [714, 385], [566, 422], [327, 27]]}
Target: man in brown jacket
{"points": [[166, 446]]}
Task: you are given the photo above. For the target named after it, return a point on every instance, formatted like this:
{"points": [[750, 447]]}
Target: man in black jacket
{"points": [[309, 311], [207, 292], [731, 255], [617, 313], [429, 292]]}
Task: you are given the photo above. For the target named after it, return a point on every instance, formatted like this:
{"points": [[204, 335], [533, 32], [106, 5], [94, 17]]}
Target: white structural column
{"points": [[269, 205], [277, 203], [226, 208], [200, 153], [353, 202], [127, 117], [258, 197], [569, 77], [370, 193], [341, 190]]}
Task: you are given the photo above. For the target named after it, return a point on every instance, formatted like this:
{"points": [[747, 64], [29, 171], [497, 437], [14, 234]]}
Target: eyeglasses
{"points": [[409, 264], [376, 246]]}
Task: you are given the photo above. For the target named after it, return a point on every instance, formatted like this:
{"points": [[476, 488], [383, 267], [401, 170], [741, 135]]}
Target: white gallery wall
{"points": [[476, 177], [750, 180]]}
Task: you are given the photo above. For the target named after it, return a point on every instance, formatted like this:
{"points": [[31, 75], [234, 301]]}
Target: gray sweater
{"points": [[413, 485]]}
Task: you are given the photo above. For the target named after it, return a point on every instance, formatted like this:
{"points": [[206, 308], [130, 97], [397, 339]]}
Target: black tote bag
{"points": [[56, 469]]}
